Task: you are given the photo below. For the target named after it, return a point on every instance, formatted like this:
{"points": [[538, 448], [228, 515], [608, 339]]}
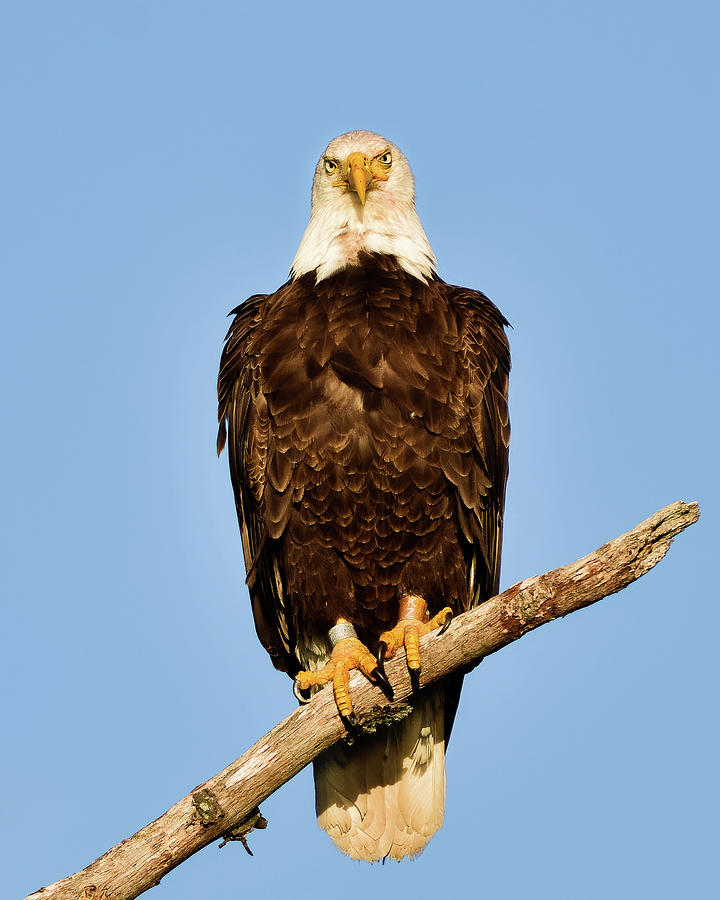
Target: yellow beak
{"points": [[359, 175]]}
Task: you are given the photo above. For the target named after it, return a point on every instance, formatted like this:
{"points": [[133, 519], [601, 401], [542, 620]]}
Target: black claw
{"points": [[297, 690], [351, 723], [381, 680], [446, 623], [415, 680], [382, 647]]}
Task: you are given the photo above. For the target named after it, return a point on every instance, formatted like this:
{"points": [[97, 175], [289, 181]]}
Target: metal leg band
{"points": [[339, 632]]}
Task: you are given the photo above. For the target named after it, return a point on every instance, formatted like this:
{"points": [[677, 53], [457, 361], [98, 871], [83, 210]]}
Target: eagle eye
{"points": [[330, 166], [385, 158]]}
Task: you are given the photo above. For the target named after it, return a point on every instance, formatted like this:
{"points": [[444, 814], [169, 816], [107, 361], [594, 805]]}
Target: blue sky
{"points": [[157, 160]]}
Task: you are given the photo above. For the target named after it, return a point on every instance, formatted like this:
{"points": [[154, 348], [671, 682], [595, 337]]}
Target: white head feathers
{"points": [[343, 222]]}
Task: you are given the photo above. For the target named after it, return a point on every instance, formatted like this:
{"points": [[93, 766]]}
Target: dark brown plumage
{"points": [[368, 431]]}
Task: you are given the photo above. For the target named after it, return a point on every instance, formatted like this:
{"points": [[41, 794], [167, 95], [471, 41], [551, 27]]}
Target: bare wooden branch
{"points": [[226, 805]]}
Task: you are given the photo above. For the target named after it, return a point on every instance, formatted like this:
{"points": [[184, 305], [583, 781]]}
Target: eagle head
{"points": [[363, 200]]}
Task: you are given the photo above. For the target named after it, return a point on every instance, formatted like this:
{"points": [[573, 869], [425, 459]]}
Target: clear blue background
{"points": [[156, 168]]}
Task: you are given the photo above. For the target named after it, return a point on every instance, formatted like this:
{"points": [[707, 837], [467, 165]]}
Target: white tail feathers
{"points": [[385, 795]]}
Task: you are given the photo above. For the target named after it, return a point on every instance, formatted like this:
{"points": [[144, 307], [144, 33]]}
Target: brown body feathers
{"points": [[368, 431]]}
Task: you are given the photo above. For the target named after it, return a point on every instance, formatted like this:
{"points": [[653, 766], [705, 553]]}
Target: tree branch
{"points": [[226, 805]]}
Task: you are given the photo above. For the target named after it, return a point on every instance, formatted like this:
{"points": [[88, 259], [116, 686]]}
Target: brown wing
{"points": [[480, 486], [481, 514], [242, 405]]}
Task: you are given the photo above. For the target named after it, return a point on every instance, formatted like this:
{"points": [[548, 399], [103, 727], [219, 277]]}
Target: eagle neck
{"points": [[338, 237]]}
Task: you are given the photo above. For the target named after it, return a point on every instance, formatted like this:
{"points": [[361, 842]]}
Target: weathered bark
{"points": [[226, 805]]}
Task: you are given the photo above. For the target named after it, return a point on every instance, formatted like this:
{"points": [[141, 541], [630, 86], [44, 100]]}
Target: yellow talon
{"points": [[349, 653], [411, 639], [412, 625]]}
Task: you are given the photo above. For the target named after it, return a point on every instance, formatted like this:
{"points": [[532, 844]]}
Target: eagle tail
{"points": [[385, 795]]}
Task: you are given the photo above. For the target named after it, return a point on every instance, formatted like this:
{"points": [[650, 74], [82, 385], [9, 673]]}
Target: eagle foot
{"points": [[413, 623], [347, 654]]}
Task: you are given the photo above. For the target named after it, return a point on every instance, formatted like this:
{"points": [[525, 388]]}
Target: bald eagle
{"points": [[364, 405]]}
